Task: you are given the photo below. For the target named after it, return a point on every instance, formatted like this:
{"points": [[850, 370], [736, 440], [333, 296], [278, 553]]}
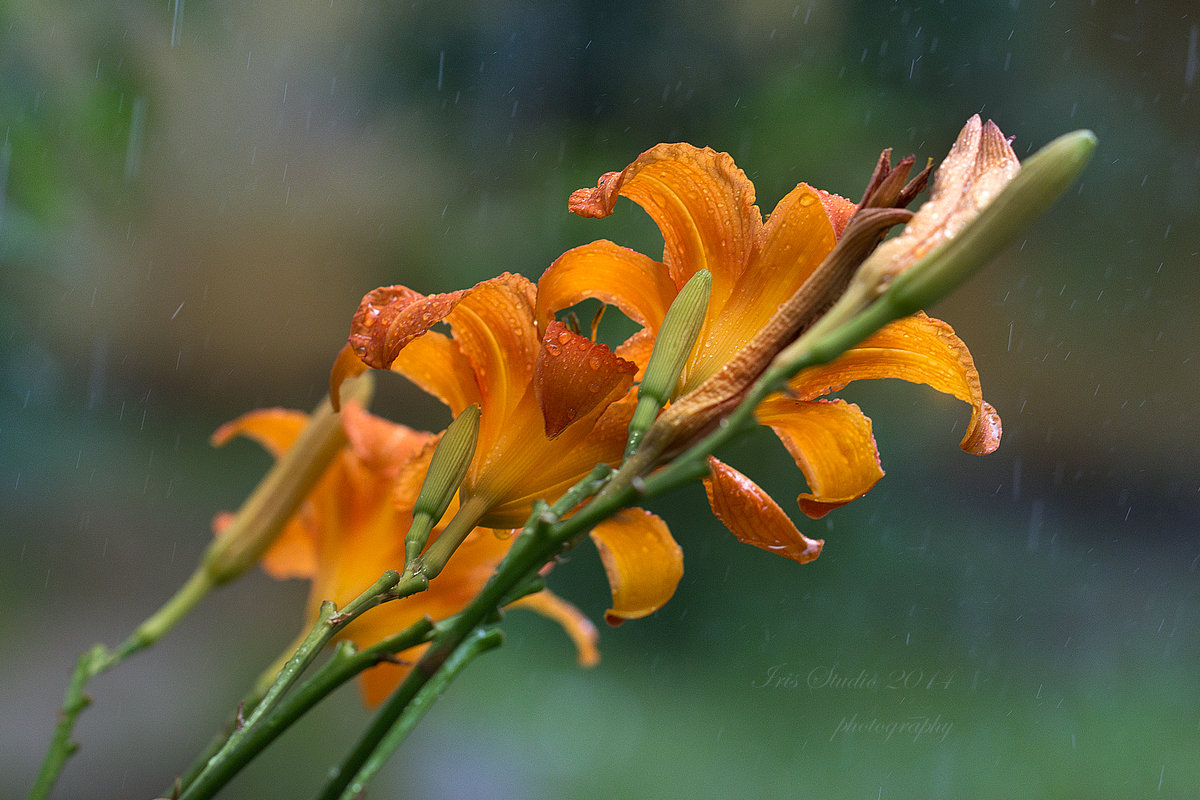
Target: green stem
{"points": [[256, 525], [345, 665], [541, 540], [329, 622], [100, 659], [480, 641]]}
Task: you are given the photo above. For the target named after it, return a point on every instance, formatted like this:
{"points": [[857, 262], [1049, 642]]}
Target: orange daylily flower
{"points": [[704, 207], [553, 405], [349, 531]]}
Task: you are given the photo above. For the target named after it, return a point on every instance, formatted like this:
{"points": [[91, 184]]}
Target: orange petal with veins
{"points": [[634, 283], [754, 517], [383, 446]]}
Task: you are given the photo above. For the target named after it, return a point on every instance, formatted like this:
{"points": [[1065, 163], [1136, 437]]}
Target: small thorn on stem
{"points": [[239, 720]]}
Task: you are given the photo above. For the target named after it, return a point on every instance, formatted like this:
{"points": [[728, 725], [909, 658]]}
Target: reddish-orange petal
{"points": [[832, 444], [275, 429], [642, 561], [918, 349], [754, 517], [703, 205], [634, 283], [581, 630], [838, 209], [390, 317], [574, 375]]}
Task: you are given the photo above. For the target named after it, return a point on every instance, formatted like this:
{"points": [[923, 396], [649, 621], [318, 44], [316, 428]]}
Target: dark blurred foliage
{"points": [[194, 197]]}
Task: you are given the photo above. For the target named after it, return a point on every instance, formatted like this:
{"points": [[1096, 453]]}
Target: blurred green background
{"points": [[194, 197]]}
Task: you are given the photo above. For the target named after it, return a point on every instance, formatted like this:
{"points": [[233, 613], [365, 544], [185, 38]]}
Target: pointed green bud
{"points": [[1042, 178], [446, 471], [261, 518], [672, 346]]}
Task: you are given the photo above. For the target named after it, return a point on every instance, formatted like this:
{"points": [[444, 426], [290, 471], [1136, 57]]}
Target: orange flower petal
{"points": [[390, 317], [918, 349], [795, 240], [701, 201], [754, 517], [464, 575], [436, 363], [524, 465], [581, 630], [832, 444], [642, 561], [838, 209], [634, 283], [345, 366], [574, 375], [293, 554], [383, 446], [494, 326], [275, 429]]}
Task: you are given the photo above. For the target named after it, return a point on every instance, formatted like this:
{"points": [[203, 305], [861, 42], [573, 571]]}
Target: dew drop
{"points": [[552, 349], [594, 362], [593, 387], [564, 337]]}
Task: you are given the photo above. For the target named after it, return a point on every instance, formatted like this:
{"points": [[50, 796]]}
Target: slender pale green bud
{"points": [[274, 501], [1042, 178], [446, 471], [672, 346]]}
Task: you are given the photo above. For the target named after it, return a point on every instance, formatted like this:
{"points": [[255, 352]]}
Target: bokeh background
{"points": [[194, 197]]}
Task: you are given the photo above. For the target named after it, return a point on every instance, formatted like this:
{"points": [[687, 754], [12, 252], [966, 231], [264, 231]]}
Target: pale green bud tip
{"points": [[676, 338], [1039, 182], [449, 464]]}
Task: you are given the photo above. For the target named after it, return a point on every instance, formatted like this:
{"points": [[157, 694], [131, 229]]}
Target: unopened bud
{"points": [[672, 346], [1042, 178], [447, 468], [261, 518]]}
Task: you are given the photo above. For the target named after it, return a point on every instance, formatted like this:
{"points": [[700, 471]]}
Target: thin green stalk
{"points": [[345, 664], [329, 621], [253, 529], [540, 541], [98, 660], [480, 641]]}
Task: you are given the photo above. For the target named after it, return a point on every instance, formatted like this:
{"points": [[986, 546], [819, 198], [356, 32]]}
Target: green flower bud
{"points": [[1038, 183], [446, 471], [672, 347]]}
